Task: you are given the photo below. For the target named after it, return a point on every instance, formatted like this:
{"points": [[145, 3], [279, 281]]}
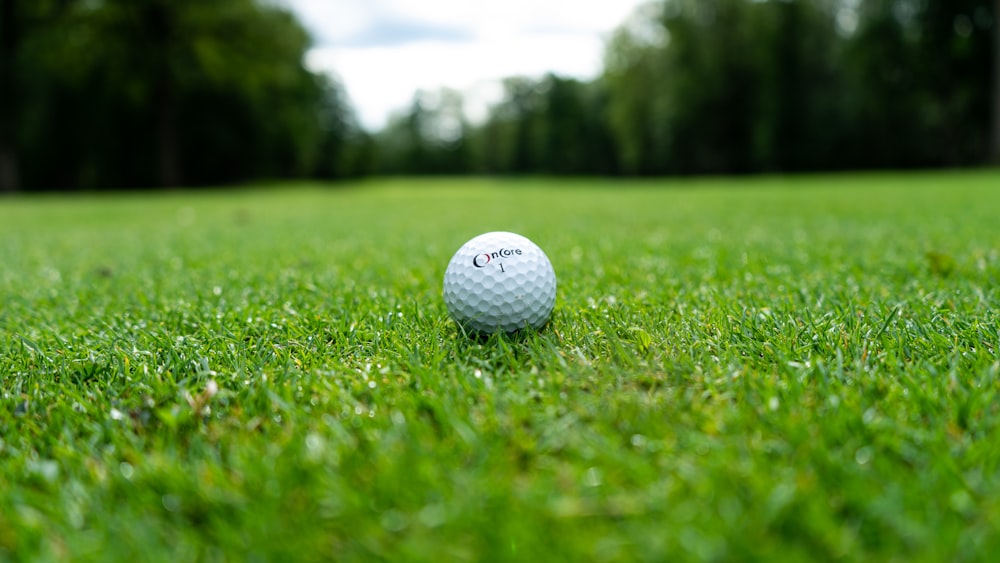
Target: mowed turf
{"points": [[799, 368]]}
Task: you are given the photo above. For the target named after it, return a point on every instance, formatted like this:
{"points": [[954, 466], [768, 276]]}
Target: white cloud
{"points": [[382, 79], [385, 50], [332, 20]]}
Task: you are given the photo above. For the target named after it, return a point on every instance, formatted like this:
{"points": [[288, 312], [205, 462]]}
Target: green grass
{"points": [[773, 369]]}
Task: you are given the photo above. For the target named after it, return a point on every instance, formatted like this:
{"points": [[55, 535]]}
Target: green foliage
{"points": [[938, 81], [430, 138], [553, 125], [786, 369], [145, 92], [738, 86], [755, 86], [133, 93], [639, 114]]}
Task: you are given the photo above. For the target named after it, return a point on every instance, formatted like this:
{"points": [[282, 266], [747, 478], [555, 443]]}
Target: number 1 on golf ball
{"points": [[499, 281]]}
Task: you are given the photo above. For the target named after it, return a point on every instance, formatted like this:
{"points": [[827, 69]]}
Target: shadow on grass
{"points": [[511, 349]]}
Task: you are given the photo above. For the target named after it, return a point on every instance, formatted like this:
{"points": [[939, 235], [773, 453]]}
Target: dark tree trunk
{"points": [[995, 134], [9, 180], [166, 115], [159, 22]]}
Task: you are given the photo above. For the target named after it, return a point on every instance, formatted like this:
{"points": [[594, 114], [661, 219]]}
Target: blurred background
{"points": [[137, 94]]}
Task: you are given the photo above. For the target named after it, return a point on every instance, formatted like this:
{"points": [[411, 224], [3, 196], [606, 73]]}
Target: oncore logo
{"points": [[481, 260]]}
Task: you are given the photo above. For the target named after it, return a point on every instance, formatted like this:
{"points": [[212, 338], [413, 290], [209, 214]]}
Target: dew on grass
{"points": [[593, 477], [314, 443], [116, 414], [47, 469], [171, 503], [74, 513], [432, 515], [394, 520], [870, 416], [962, 502], [608, 549], [730, 509], [864, 455], [126, 469]]}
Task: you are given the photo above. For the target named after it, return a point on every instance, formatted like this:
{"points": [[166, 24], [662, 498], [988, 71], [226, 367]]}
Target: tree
{"points": [[722, 86], [18, 20], [171, 56], [730, 86], [996, 83], [637, 82], [520, 112], [429, 138], [576, 140], [919, 93], [552, 125], [9, 42], [169, 92], [344, 145]]}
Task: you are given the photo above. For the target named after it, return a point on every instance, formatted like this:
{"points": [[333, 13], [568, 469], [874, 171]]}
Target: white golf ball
{"points": [[499, 281]]}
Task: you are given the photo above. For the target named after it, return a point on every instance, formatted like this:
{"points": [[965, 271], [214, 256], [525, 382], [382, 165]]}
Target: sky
{"points": [[383, 51]]}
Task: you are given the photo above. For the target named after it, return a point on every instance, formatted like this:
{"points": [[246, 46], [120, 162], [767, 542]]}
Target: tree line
{"points": [[740, 86], [137, 93], [142, 93]]}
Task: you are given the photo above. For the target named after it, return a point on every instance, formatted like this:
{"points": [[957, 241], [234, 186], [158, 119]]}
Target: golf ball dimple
{"points": [[499, 281]]}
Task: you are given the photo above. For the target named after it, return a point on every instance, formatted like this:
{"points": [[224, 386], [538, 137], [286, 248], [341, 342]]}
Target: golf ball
{"points": [[499, 281]]}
